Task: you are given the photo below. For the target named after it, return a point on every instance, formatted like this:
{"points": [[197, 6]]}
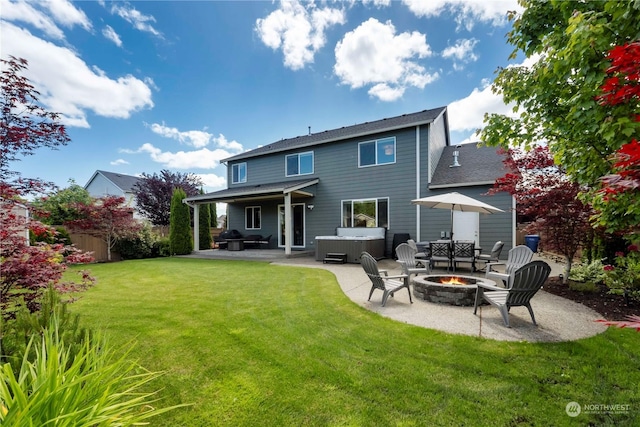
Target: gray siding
{"points": [[436, 143]]}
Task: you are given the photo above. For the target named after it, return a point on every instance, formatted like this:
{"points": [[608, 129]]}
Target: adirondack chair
{"points": [[518, 256], [421, 257], [407, 258], [493, 256], [381, 280], [527, 280]]}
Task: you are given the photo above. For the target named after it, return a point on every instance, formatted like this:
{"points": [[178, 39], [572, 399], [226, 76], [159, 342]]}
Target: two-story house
{"points": [[363, 175], [103, 183]]}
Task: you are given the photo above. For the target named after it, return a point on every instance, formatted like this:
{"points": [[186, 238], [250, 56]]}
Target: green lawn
{"points": [[253, 344]]}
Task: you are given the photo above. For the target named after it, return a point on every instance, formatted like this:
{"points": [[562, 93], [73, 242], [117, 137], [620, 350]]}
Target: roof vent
{"points": [[455, 164]]}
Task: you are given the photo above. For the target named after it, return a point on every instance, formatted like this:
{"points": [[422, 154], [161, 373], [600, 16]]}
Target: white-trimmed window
{"points": [[238, 173], [378, 152], [365, 213], [252, 217], [299, 164]]}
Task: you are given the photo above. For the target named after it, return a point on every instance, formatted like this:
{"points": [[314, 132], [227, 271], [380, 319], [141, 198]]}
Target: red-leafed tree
{"points": [[154, 192], [26, 125], [544, 192], [108, 219], [25, 270], [618, 201]]}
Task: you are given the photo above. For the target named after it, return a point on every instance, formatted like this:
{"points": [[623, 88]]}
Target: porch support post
{"points": [[287, 223], [196, 227]]}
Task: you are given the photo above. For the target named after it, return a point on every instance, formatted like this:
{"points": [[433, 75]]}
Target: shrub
{"points": [[623, 278], [92, 387], [180, 225], [592, 272], [142, 245], [163, 247]]}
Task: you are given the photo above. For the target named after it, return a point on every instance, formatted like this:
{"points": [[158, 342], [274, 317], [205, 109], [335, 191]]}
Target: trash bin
{"points": [[531, 240]]}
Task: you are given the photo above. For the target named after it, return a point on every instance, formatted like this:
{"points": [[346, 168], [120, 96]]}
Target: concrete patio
{"points": [[558, 319]]}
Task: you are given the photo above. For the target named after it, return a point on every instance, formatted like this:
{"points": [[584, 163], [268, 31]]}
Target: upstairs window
{"points": [[365, 213], [238, 173], [252, 216], [378, 152], [299, 164]]}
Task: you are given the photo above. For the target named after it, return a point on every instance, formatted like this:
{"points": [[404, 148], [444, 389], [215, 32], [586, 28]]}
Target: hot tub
{"points": [[352, 242]]}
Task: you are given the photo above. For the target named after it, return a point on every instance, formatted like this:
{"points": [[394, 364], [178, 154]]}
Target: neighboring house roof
{"points": [[260, 191], [363, 129], [124, 182], [479, 165]]}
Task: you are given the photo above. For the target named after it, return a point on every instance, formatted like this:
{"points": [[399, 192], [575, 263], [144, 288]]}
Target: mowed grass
{"points": [[254, 344]]}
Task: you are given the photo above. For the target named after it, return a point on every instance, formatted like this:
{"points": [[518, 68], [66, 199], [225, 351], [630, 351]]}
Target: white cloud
{"points": [[299, 30], [119, 162], [66, 13], [195, 138], [461, 53], [68, 85], [111, 34], [212, 181], [134, 17], [30, 14], [200, 159], [468, 113], [373, 54], [466, 12]]}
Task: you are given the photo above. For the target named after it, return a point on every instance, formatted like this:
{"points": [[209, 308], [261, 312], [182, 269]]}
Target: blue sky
{"points": [[149, 85]]}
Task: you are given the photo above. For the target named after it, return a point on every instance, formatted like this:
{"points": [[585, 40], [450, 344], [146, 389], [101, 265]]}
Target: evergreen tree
{"points": [[180, 239], [205, 226], [213, 214]]}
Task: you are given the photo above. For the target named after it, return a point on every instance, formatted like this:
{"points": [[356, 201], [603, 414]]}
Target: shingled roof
{"points": [[479, 165], [124, 182], [383, 125]]}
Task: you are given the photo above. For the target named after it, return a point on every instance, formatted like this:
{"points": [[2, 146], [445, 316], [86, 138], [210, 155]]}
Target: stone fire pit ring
{"points": [[430, 288]]}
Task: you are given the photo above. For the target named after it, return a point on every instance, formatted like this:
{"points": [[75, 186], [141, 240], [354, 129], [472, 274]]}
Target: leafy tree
{"points": [[180, 226], [25, 125], [204, 228], [59, 207], [154, 192], [544, 192], [556, 97], [107, 218], [617, 201]]}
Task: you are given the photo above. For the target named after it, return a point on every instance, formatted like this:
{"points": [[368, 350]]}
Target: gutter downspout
{"points": [[418, 231]]}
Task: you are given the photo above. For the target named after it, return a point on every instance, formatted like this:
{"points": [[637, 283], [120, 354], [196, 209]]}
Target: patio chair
{"points": [[494, 256], [518, 256], [410, 264], [440, 252], [464, 251], [527, 280], [381, 280], [421, 257]]}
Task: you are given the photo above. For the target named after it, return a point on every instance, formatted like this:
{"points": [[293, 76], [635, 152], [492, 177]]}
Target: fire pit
{"points": [[448, 289]]}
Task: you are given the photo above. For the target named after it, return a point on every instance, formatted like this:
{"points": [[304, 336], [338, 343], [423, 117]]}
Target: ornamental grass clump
{"points": [[94, 387], [623, 278]]}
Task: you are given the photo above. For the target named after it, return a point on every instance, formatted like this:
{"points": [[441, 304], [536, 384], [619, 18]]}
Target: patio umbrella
{"points": [[456, 202]]}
